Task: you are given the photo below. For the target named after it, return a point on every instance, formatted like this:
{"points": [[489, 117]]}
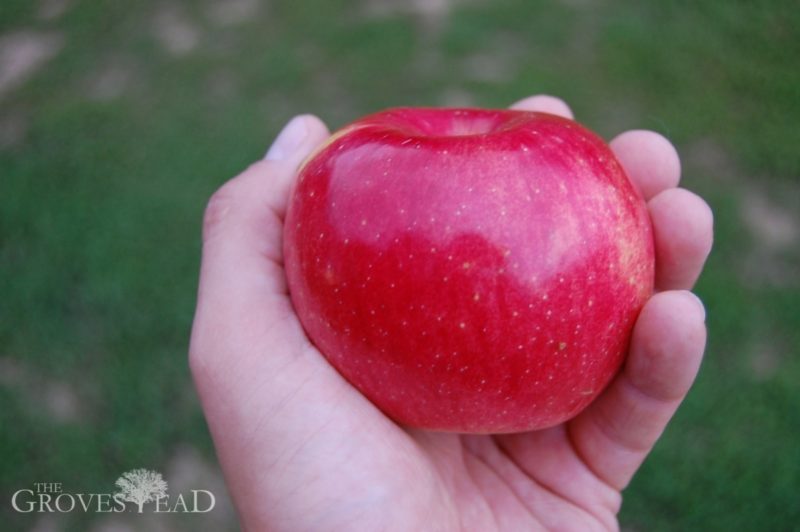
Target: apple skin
{"points": [[469, 270]]}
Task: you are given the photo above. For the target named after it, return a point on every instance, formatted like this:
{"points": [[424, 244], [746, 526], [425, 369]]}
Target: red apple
{"points": [[469, 270]]}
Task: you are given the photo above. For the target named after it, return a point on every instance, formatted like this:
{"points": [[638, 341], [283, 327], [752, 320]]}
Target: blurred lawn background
{"points": [[119, 119]]}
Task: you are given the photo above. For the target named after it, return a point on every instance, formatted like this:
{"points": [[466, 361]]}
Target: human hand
{"points": [[301, 449]]}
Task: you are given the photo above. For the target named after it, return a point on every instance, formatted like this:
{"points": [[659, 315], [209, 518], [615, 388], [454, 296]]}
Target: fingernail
{"points": [[289, 139], [697, 301]]}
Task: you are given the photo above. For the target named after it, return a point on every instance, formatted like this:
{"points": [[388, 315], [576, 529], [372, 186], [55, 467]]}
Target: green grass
{"points": [[102, 200]]}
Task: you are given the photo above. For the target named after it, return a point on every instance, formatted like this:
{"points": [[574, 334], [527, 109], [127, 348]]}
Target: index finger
{"points": [[649, 159]]}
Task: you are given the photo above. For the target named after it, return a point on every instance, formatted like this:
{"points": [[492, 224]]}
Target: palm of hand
{"points": [[302, 450]]}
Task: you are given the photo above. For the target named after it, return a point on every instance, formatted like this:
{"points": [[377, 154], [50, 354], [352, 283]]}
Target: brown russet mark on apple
{"points": [[22, 54], [631, 262]]}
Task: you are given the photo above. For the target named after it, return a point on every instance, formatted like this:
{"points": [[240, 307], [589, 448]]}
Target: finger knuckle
{"points": [[200, 361], [218, 208]]}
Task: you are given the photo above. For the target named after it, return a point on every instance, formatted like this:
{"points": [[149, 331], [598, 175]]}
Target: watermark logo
{"points": [[138, 486]]}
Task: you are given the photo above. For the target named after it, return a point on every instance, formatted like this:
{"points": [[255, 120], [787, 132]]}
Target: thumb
{"points": [[242, 290], [291, 140], [265, 391]]}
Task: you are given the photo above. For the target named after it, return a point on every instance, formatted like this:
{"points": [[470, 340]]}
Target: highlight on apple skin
{"points": [[469, 270]]}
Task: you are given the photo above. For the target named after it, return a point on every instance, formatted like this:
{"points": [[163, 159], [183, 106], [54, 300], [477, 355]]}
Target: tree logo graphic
{"points": [[140, 486]]}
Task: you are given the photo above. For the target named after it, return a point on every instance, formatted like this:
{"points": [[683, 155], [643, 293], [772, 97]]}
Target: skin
{"points": [[302, 450]]}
